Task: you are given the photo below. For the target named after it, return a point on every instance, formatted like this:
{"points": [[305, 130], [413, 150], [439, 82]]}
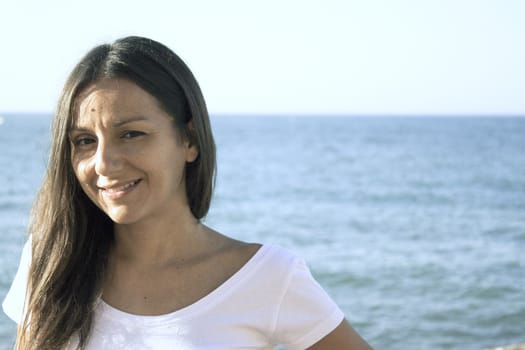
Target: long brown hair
{"points": [[71, 237]]}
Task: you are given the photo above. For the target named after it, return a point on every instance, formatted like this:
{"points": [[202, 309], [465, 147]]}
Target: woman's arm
{"points": [[342, 337]]}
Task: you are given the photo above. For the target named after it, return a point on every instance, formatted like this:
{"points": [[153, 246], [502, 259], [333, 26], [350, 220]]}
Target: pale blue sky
{"points": [[279, 56]]}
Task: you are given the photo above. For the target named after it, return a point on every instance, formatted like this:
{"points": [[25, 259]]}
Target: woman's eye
{"points": [[132, 134], [83, 141]]}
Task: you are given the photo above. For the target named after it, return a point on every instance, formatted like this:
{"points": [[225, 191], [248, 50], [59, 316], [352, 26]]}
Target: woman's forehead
{"points": [[114, 99]]}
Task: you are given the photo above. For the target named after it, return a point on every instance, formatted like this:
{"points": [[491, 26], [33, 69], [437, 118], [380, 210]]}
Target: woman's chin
{"points": [[121, 217]]}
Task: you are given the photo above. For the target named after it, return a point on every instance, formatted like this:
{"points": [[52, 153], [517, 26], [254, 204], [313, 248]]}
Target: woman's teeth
{"points": [[123, 187]]}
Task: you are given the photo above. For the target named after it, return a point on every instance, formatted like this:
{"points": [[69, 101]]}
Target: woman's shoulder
{"points": [[266, 262], [268, 255], [241, 252], [271, 263], [14, 301]]}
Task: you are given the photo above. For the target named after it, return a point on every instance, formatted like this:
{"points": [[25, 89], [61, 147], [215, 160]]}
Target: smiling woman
{"points": [[126, 154], [118, 257]]}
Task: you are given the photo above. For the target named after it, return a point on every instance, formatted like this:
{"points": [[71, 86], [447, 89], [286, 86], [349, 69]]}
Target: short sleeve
{"points": [[307, 314], [14, 301]]}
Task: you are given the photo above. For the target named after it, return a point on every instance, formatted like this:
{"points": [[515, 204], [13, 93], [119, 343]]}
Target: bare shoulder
{"points": [[231, 253], [342, 337]]}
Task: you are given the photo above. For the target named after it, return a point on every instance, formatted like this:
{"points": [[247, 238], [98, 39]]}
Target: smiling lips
{"points": [[115, 192]]}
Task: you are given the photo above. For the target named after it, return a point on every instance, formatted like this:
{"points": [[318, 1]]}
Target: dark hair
{"points": [[71, 237]]}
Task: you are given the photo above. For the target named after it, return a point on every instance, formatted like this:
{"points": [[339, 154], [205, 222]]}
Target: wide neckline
{"points": [[106, 311]]}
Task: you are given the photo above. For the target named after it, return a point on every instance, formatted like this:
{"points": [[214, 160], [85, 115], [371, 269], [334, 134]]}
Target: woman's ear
{"points": [[192, 151]]}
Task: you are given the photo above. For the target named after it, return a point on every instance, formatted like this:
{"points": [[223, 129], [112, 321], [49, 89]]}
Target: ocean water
{"points": [[415, 226]]}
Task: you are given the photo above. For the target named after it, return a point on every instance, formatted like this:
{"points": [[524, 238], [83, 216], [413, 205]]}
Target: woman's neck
{"points": [[158, 241]]}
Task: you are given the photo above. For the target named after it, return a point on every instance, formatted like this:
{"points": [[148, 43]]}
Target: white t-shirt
{"points": [[273, 299]]}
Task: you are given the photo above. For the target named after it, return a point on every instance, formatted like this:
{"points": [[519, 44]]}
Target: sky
{"points": [[369, 57]]}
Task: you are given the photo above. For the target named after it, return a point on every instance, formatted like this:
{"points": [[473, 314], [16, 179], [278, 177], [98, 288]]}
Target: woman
{"points": [[118, 257]]}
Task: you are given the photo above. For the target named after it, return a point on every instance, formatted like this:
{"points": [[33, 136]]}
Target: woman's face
{"points": [[126, 153]]}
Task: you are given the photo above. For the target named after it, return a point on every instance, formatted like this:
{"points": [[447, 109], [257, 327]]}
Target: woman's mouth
{"points": [[118, 191]]}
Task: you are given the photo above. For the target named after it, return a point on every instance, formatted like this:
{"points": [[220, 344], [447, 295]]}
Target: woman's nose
{"points": [[107, 159]]}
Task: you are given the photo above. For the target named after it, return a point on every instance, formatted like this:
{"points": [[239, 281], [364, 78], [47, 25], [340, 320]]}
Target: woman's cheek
{"points": [[81, 170]]}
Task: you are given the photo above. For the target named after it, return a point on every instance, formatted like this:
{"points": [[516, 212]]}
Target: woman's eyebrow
{"points": [[120, 122], [117, 123], [77, 128]]}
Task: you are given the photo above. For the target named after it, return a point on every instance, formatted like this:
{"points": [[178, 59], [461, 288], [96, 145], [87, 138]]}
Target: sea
{"points": [[414, 225]]}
